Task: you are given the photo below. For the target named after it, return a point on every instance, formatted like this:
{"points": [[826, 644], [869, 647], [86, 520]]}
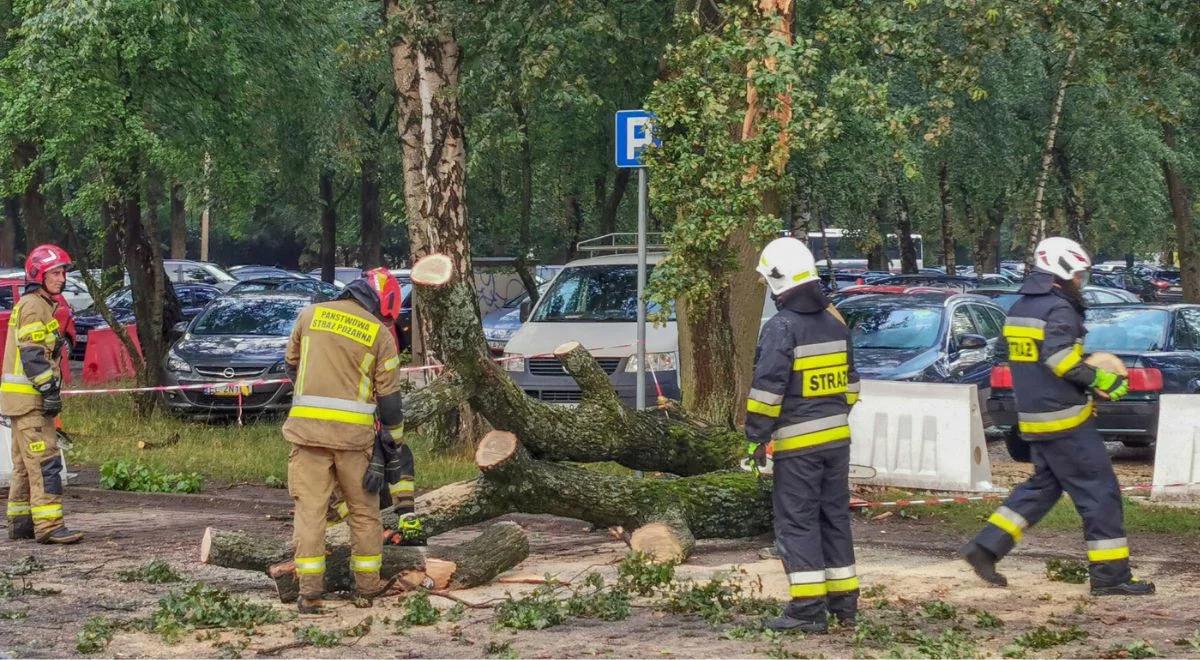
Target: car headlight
{"points": [[497, 334], [513, 362], [654, 362], [279, 368], [177, 364]]}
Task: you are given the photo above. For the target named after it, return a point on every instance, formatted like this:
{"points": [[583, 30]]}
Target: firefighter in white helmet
{"points": [[1053, 385], [804, 384]]}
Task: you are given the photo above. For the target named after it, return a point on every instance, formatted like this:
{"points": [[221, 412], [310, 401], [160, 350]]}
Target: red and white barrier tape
{"points": [[990, 497]]}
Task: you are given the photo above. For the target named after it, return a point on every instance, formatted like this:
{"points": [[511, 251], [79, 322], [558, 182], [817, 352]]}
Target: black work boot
{"points": [[309, 605], [983, 562], [845, 619], [1134, 587], [61, 536], [20, 529], [806, 620]]}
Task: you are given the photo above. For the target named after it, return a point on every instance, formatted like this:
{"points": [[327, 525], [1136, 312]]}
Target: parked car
{"points": [[925, 337], [343, 276], [240, 337], [500, 324], [1159, 344], [960, 284], [1006, 296], [243, 273], [1118, 279], [308, 286], [865, 289], [11, 291], [198, 272], [192, 299]]}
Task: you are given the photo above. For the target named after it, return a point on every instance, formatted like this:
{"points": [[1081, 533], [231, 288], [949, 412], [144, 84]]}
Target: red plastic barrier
{"points": [[65, 363], [106, 359]]}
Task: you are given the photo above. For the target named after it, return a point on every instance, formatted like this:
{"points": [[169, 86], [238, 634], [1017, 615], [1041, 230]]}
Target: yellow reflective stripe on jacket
{"points": [[352, 327], [302, 366], [402, 486], [18, 385], [364, 377], [1065, 360], [366, 563], [811, 439], [1026, 332], [851, 398], [35, 332], [310, 565], [391, 363], [1108, 550], [17, 509], [818, 361], [43, 377], [1053, 422], [762, 402], [47, 512], [1009, 521], [330, 415]]}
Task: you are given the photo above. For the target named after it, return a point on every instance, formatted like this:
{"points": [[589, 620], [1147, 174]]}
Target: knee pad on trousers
{"points": [[52, 476]]}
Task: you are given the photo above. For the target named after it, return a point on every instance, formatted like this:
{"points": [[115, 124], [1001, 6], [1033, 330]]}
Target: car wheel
{"points": [[1018, 448]]}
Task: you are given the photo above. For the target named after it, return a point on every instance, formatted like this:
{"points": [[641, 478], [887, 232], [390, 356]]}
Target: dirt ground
{"points": [[904, 564]]}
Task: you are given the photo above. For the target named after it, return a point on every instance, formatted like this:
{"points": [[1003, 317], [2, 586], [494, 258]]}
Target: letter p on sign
{"points": [[634, 132]]}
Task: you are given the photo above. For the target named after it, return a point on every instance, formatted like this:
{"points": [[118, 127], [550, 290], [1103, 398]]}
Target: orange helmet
{"points": [[43, 259], [387, 288]]}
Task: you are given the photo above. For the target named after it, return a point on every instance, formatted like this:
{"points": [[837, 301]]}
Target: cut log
{"points": [[497, 549], [663, 541], [601, 428]]}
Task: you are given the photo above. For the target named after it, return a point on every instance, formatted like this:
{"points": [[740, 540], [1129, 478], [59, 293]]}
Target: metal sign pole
{"points": [[641, 290]]}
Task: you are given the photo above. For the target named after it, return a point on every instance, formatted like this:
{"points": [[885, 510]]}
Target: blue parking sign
{"points": [[635, 132]]}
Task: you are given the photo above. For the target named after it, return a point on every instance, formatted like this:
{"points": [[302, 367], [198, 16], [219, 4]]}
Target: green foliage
{"points": [[273, 481], [594, 601], [536, 611], [640, 574], [26, 566], [1042, 638], [156, 571], [314, 636], [1066, 570], [498, 649], [987, 620], [418, 611], [13, 615], [97, 632], [939, 610], [1139, 648], [201, 606], [719, 600], [455, 613], [360, 629], [124, 475], [951, 643]]}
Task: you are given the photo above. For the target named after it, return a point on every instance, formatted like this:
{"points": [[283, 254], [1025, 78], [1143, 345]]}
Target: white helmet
{"points": [[1061, 257], [786, 263]]}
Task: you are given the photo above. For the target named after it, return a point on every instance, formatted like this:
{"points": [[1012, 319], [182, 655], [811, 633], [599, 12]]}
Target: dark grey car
{"points": [[236, 338]]}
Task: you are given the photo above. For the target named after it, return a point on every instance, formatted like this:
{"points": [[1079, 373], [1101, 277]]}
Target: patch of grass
{"points": [[873, 633], [1138, 648], [10, 589], [132, 476], [1042, 638], [97, 632], [155, 572], [221, 450], [875, 591], [952, 643], [314, 636], [987, 621], [593, 601], [455, 613], [496, 649], [537, 611], [1071, 571], [201, 606], [939, 610], [638, 573], [718, 600], [418, 611]]}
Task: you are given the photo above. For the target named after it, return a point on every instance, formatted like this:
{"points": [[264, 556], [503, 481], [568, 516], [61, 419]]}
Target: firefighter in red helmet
{"points": [[29, 396]]}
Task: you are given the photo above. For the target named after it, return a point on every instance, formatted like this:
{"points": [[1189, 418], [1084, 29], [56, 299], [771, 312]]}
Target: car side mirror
{"points": [[179, 329], [971, 342], [526, 308]]}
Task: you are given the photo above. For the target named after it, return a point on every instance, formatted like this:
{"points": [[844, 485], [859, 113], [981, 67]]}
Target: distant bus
{"points": [[846, 254]]}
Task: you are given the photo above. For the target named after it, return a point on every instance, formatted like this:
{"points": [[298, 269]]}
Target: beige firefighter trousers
{"points": [[35, 489]]}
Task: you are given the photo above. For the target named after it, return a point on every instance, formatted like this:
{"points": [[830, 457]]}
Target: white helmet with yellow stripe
{"points": [[786, 263]]}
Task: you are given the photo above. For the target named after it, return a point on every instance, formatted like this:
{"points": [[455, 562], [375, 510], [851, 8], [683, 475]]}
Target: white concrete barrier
{"points": [[1177, 448], [921, 435], [6, 453]]}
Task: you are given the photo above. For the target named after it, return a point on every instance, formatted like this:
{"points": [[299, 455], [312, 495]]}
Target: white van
{"points": [[594, 301]]}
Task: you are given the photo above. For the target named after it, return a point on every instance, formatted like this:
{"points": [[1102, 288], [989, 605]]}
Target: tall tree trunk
{"points": [[1180, 196], [154, 200], [33, 202], [947, 219], [111, 264], [908, 249], [1038, 221], [525, 209], [328, 226], [8, 232], [1073, 205], [573, 216], [608, 215], [370, 233], [988, 246], [178, 223]]}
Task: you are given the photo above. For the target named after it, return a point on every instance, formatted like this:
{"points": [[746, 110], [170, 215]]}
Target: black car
{"points": [[936, 281], [925, 337], [236, 338], [1161, 347], [1006, 296], [1128, 281], [192, 299], [307, 286], [243, 273]]}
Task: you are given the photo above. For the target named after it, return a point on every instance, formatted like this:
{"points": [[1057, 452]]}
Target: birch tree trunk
{"points": [[1180, 195], [178, 223], [947, 219], [1038, 221]]}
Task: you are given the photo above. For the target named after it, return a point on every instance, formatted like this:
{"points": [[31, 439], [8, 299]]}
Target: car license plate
{"points": [[231, 389]]}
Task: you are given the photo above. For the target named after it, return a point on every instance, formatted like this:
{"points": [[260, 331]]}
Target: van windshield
{"points": [[594, 293]]}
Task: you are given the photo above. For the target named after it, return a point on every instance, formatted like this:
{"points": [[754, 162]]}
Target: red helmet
{"points": [[387, 287], [43, 259]]}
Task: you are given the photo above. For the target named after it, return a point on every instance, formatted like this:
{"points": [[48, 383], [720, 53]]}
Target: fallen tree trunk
{"points": [[498, 548], [601, 428]]}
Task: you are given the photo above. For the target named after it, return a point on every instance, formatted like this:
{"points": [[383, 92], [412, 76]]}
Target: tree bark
{"points": [[947, 219], [150, 291], [573, 215], [178, 223], [369, 215], [525, 208], [1038, 226], [608, 215], [111, 264], [908, 249], [328, 227], [33, 202], [706, 376], [1180, 196], [8, 232]]}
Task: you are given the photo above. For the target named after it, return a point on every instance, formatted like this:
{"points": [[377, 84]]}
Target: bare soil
{"points": [[903, 563]]}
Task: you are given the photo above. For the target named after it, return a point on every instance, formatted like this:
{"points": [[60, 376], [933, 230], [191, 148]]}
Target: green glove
{"points": [[757, 451], [1111, 386]]}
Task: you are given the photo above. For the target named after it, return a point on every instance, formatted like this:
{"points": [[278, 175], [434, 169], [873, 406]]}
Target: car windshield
{"points": [[254, 287], [265, 317], [892, 327], [218, 274], [1126, 330], [122, 299], [594, 293]]}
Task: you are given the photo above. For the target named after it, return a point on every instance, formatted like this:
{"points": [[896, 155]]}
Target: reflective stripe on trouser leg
{"points": [[366, 530], [17, 509], [366, 563], [310, 565], [796, 502], [1024, 507], [310, 482], [1108, 550], [34, 436]]}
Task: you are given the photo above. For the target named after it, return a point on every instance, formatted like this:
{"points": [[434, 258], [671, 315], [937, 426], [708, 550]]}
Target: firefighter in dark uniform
{"points": [[1051, 380], [804, 385]]}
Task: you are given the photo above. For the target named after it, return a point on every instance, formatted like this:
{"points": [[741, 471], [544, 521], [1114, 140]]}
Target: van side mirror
{"points": [[526, 308]]}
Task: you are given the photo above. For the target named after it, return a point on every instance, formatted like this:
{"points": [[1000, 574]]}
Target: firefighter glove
{"points": [[374, 481], [1109, 385], [51, 398], [757, 451]]}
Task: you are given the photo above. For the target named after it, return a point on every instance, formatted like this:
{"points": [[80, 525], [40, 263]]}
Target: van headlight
{"points": [[177, 364], [513, 362], [654, 362]]}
